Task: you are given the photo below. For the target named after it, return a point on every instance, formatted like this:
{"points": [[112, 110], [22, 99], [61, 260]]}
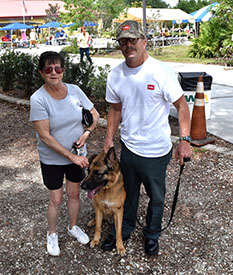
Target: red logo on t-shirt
{"points": [[125, 28], [150, 87]]}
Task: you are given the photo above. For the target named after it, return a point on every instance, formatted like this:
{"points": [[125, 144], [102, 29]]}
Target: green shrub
{"points": [[207, 44], [98, 82], [73, 48], [20, 71], [215, 39], [8, 70], [79, 74], [28, 75]]}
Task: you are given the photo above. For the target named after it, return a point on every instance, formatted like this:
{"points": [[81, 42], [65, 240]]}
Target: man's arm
{"points": [[183, 150], [114, 118]]}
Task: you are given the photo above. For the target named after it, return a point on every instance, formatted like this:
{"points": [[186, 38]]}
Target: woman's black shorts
{"points": [[53, 175]]}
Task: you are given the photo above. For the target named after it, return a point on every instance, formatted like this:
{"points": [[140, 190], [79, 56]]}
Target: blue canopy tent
{"points": [[89, 24], [53, 24], [86, 24], [15, 26]]}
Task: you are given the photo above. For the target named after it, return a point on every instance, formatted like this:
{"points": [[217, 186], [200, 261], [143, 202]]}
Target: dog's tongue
{"points": [[91, 194]]}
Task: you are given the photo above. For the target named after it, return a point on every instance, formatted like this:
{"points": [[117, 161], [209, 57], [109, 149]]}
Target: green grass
{"points": [[171, 54], [179, 54]]}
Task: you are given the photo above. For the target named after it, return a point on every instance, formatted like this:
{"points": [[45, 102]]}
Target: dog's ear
{"points": [[110, 157], [90, 159]]}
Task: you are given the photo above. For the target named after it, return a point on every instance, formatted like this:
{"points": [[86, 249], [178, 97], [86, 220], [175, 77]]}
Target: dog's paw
{"points": [[94, 243], [121, 250], [91, 223]]}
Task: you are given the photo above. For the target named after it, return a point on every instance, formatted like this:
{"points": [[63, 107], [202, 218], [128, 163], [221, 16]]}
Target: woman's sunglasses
{"points": [[124, 41], [57, 69]]}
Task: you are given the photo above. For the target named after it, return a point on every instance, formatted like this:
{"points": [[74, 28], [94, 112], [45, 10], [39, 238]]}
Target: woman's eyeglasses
{"points": [[124, 41], [57, 69]]}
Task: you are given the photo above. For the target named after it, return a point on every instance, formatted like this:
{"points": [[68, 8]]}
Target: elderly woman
{"points": [[56, 112]]}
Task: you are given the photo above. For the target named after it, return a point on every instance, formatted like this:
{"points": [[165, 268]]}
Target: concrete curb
{"points": [[15, 100], [103, 122]]}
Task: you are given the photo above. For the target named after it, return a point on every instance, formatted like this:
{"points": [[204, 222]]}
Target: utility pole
{"points": [[144, 15]]}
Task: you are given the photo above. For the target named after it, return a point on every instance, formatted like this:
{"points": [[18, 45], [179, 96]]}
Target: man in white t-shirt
{"points": [[33, 39], [140, 91]]}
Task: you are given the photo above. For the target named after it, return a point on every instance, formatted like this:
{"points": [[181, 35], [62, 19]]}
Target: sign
{"points": [[100, 43]]}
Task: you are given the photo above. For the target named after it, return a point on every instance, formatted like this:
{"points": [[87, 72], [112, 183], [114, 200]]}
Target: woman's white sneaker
{"points": [[77, 233], [52, 244]]}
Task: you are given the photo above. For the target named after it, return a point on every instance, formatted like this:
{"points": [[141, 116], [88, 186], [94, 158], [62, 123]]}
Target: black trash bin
{"points": [[188, 82]]}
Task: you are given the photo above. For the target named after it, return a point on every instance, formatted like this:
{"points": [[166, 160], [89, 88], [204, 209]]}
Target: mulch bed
{"points": [[199, 241]]}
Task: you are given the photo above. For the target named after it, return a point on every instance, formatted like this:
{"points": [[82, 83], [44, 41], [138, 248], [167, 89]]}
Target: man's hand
{"points": [[183, 150], [108, 144]]}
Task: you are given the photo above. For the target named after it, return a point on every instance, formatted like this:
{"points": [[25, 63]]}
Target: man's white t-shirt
{"points": [[145, 93]]}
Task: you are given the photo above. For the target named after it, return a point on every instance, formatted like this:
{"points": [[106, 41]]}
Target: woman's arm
{"points": [[43, 129], [81, 141]]}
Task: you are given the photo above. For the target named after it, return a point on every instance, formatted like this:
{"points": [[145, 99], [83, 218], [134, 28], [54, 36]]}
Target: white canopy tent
{"points": [[202, 15], [153, 15], [162, 15]]}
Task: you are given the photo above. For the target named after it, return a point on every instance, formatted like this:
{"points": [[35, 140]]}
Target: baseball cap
{"points": [[129, 29]]}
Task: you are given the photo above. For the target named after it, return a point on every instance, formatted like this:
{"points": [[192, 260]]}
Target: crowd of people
{"points": [[30, 38], [22, 39], [139, 91]]}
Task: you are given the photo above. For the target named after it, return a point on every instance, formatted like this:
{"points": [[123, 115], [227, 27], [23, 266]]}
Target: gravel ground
{"points": [[199, 240]]}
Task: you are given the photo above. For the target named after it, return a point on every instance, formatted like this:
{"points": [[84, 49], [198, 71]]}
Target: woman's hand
{"points": [[81, 141], [79, 160]]}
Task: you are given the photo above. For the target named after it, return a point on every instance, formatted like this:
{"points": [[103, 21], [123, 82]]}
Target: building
{"points": [[30, 12]]}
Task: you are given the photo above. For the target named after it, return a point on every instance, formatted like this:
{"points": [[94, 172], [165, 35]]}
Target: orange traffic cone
{"points": [[198, 124]]}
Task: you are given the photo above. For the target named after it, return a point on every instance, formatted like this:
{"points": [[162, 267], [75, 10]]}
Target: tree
{"points": [[159, 4], [52, 14], [190, 6], [109, 10], [79, 11]]}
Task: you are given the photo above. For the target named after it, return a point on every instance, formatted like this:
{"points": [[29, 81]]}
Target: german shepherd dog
{"points": [[106, 189]]}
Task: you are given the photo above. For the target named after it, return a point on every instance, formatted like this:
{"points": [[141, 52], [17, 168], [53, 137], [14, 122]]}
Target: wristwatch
{"points": [[186, 138]]}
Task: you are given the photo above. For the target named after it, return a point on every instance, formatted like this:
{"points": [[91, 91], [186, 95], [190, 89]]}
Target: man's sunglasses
{"points": [[57, 69], [124, 41]]}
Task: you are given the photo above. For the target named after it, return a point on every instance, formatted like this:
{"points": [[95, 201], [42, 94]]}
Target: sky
{"points": [[172, 3]]}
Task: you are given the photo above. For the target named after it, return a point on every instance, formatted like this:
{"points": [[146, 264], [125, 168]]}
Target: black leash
{"points": [[173, 203]]}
